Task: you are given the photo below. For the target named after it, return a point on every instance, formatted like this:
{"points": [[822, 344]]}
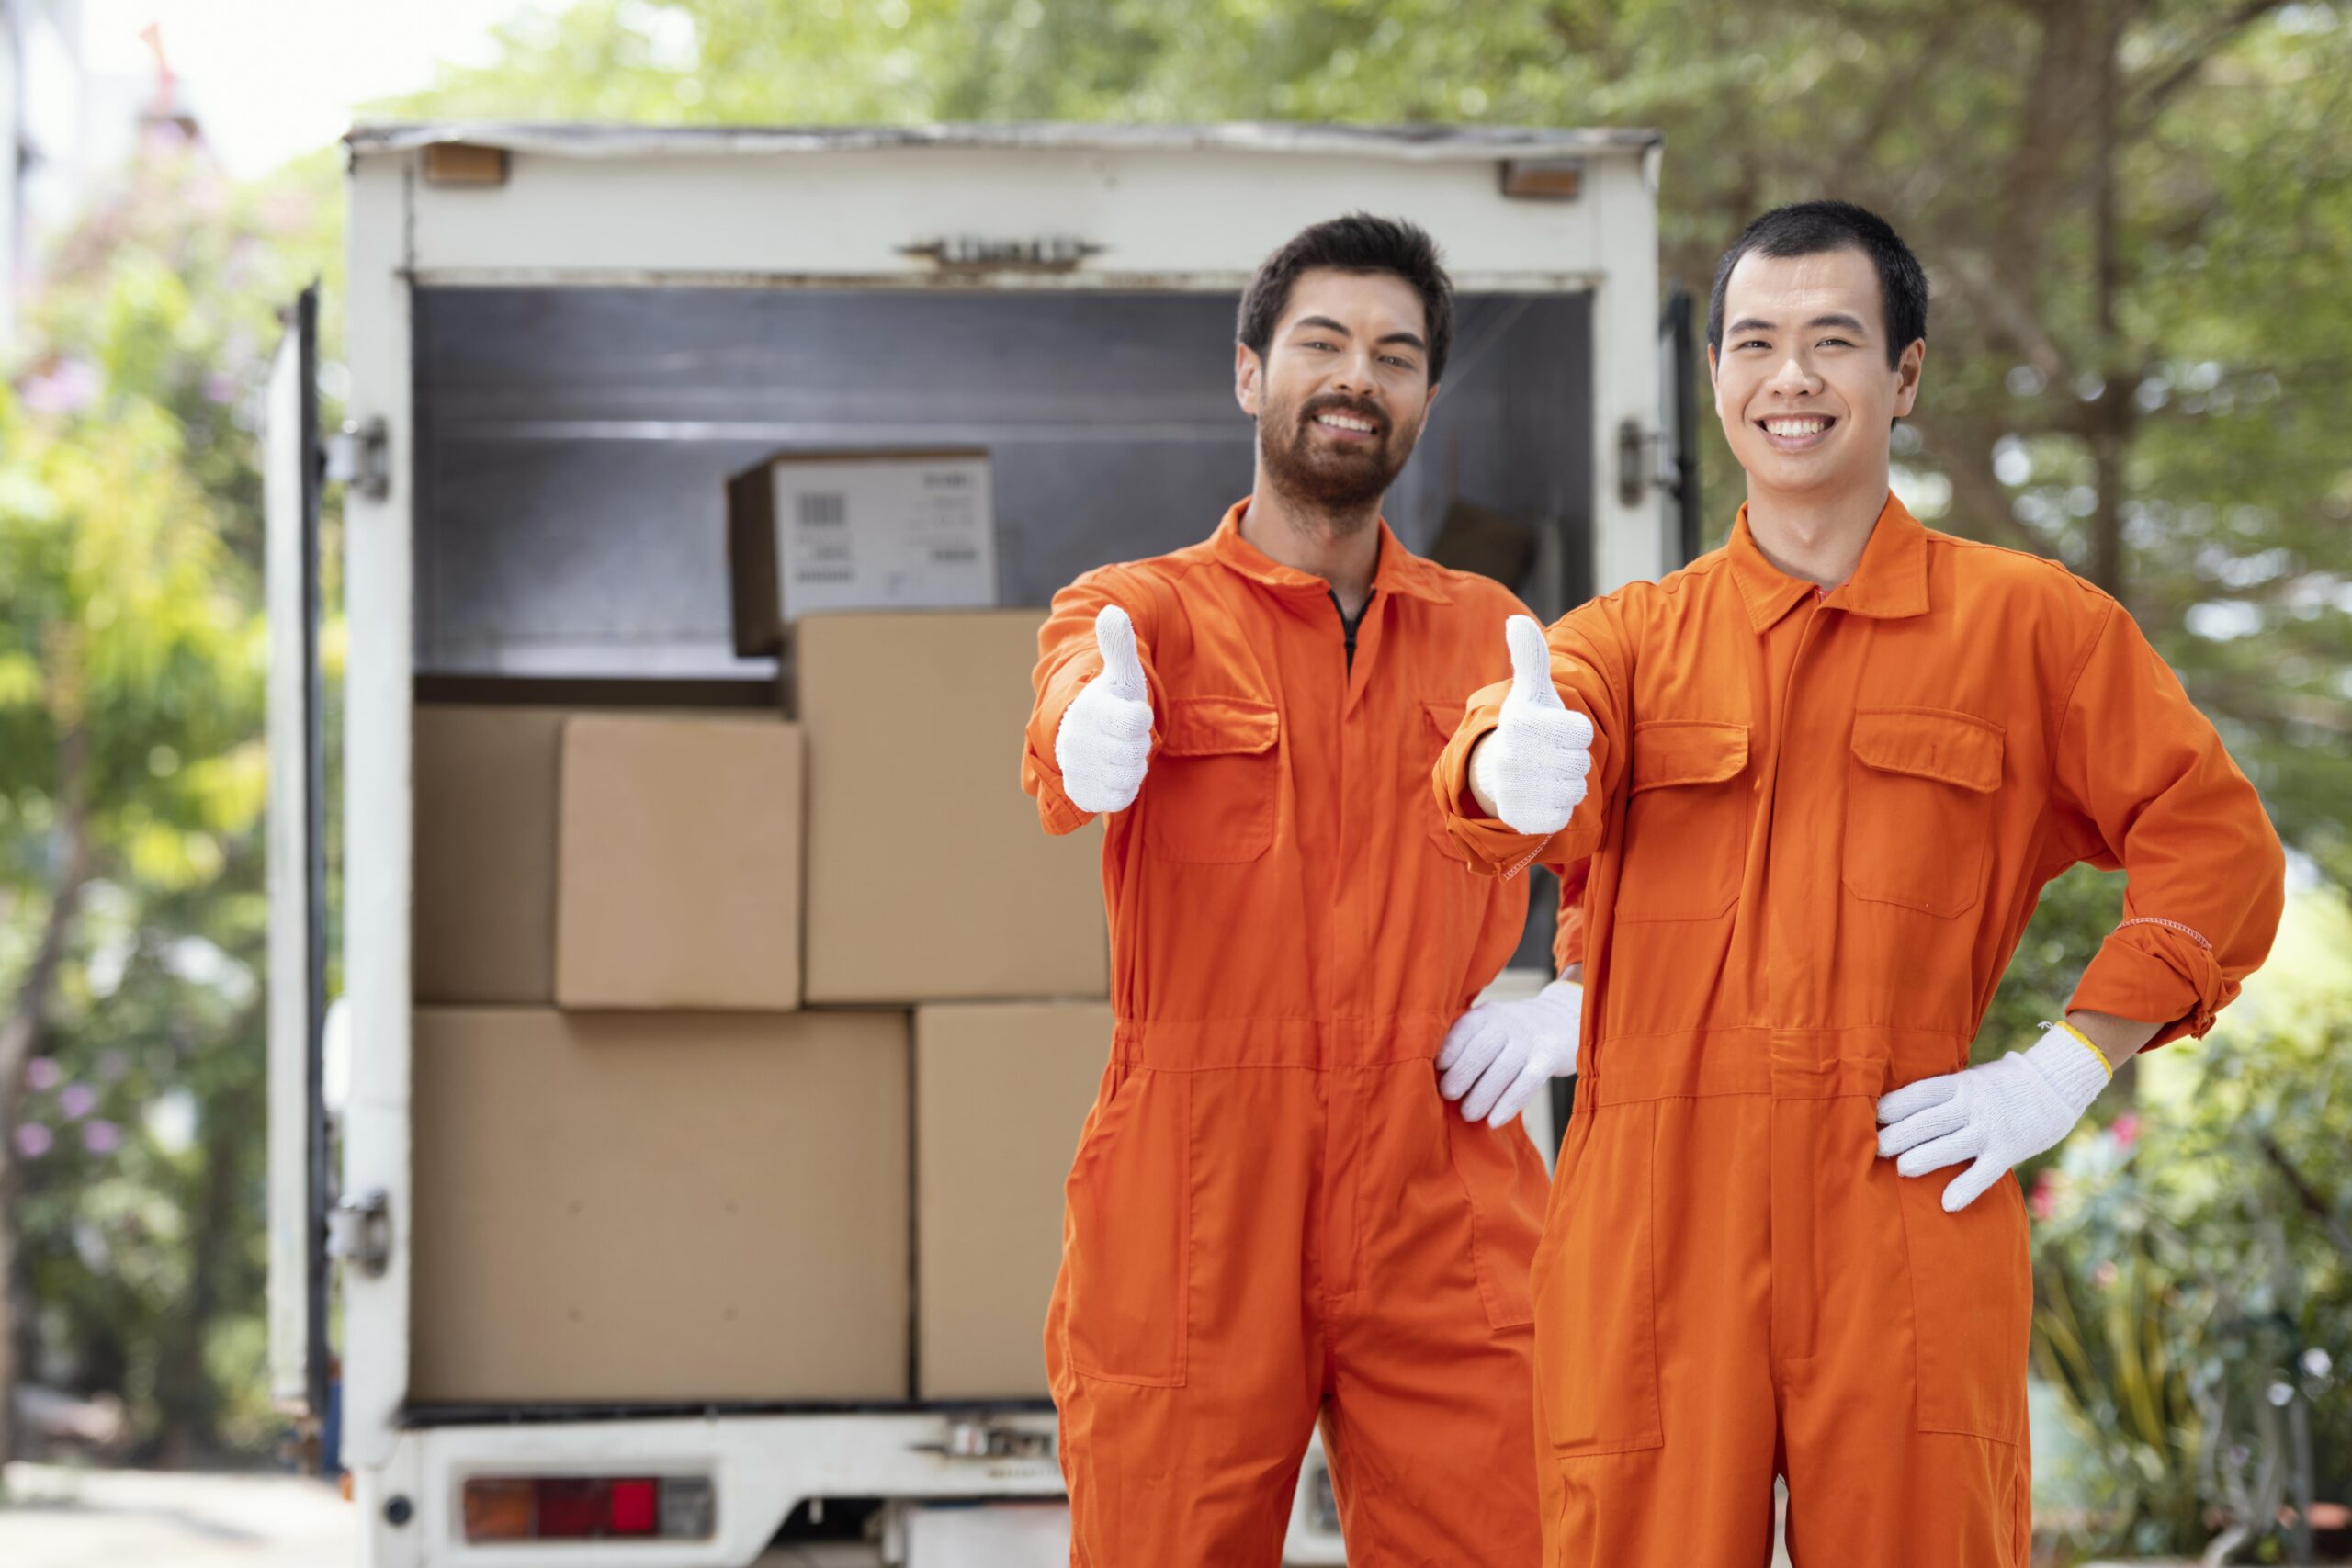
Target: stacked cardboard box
{"points": [[640, 1174], [678, 863], [629, 860], [929, 878], [1001, 1089], [659, 1206]]}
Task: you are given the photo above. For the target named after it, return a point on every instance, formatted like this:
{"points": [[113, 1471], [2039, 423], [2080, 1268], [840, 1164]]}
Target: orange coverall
{"points": [[1272, 1214], [1817, 825]]}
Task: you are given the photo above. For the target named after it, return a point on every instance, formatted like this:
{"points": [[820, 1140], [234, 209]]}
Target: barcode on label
{"points": [[821, 509]]}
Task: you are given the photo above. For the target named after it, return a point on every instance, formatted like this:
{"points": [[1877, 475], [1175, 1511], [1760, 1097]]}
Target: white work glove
{"points": [[1498, 1054], [1996, 1114], [1104, 742], [1529, 770]]}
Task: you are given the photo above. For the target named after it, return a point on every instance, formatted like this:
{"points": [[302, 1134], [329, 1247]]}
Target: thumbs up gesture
{"points": [[1529, 771], [1104, 742]]}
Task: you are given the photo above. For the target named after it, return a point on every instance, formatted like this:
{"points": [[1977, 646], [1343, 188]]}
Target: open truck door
{"points": [[298, 1193], [1678, 422]]}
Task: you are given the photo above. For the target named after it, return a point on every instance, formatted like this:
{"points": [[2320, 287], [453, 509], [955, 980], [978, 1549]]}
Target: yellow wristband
{"points": [[2089, 1044]]}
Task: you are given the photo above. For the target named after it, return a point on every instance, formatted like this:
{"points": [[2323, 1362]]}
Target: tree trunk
{"points": [[189, 1403], [2111, 410], [21, 1031]]}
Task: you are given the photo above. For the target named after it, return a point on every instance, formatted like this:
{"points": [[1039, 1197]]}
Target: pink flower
{"points": [[2044, 1196], [64, 387], [2104, 1275], [33, 1140], [101, 1137], [2124, 1129], [77, 1100], [42, 1072]]}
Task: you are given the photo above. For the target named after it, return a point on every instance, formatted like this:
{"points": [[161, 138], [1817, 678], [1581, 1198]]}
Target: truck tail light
{"points": [[589, 1507]]}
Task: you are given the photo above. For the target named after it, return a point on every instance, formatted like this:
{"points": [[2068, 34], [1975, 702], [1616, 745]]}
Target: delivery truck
{"points": [[675, 1178]]}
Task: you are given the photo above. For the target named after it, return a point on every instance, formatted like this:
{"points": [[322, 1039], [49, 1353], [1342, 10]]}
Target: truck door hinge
{"points": [[359, 1232], [359, 456]]}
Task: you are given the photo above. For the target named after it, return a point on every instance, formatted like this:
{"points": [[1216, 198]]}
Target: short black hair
{"points": [[1356, 243], [1812, 228]]}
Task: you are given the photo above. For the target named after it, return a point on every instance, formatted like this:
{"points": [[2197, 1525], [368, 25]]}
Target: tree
{"points": [[132, 763], [2136, 214]]}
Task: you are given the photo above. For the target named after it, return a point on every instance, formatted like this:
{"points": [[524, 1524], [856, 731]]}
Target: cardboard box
{"points": [[1001, 1092], [483, 916], [632, 1207], [929, 878], [678, 862], [809, 532]]}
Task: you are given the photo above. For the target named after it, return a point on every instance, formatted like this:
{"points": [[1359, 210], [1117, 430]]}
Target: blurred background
{"points": [[2137, 215]]}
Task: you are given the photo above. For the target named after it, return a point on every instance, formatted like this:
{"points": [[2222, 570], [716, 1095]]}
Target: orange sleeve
{"points": [[2149, 787], [1067, 659], [1568, 937], [1590, 672]]}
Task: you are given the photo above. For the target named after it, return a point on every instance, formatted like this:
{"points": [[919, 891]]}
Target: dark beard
{"points": [[1334, 482]]}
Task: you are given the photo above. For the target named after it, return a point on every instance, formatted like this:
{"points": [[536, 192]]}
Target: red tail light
{"points": [[589, 1507]]}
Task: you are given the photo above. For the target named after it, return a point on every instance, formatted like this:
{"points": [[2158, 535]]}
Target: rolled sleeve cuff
{"points": [[1495, 848], [2154, 975], [1054, 808], [1041, 775]]}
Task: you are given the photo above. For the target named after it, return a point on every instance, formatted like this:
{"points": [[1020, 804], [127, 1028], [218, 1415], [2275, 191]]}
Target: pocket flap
{"points": [[1445, 717], [1687, 751], [1930, 743], [1214, 727]]}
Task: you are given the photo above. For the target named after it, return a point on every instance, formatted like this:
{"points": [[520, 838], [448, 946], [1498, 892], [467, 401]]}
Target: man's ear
{"points": [[1248, 378], [1430, 402], [1907, 377]]}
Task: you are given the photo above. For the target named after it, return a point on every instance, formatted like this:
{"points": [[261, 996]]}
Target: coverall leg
{"points": [[1356, 1258], [1431, 1394], [1786, 1289]]}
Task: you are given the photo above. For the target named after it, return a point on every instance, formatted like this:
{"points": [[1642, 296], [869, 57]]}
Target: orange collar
{"points": [[1398, 570], [1890, 583]]}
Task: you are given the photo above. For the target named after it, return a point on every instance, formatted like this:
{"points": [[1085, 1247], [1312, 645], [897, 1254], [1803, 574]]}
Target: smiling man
{"points": [[1812, 787], [1273, 1217]]}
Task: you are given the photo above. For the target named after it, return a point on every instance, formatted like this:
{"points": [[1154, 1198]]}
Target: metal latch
{"points": [[359, 1232], [1643, 460], [359, 456], [980, 1440]]}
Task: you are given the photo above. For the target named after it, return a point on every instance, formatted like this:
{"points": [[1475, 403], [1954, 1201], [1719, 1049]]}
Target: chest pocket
{"points": [[1919, 808], [1686, 822], [1444, 718], [1215, 785]]}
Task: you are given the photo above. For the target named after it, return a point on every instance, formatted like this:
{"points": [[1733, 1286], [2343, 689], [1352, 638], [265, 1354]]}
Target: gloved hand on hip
{"points": [[1104, 742], [1530, 770], [1498, 1054], [1996, 1114]]}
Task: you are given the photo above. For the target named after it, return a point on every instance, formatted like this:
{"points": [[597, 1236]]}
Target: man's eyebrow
{"points": [[1325, 323], [1834, 318]]}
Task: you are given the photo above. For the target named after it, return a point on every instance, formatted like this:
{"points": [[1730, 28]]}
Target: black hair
{"points": [[1812, 228], [1356, 243]]}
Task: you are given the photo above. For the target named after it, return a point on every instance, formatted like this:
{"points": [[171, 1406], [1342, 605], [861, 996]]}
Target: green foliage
{"points": [[2194, 1269], [2137, 216], [131, 653]]}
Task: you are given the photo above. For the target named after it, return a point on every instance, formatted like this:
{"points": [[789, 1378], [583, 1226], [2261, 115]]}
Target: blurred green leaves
{"points": [[131, 784]]}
